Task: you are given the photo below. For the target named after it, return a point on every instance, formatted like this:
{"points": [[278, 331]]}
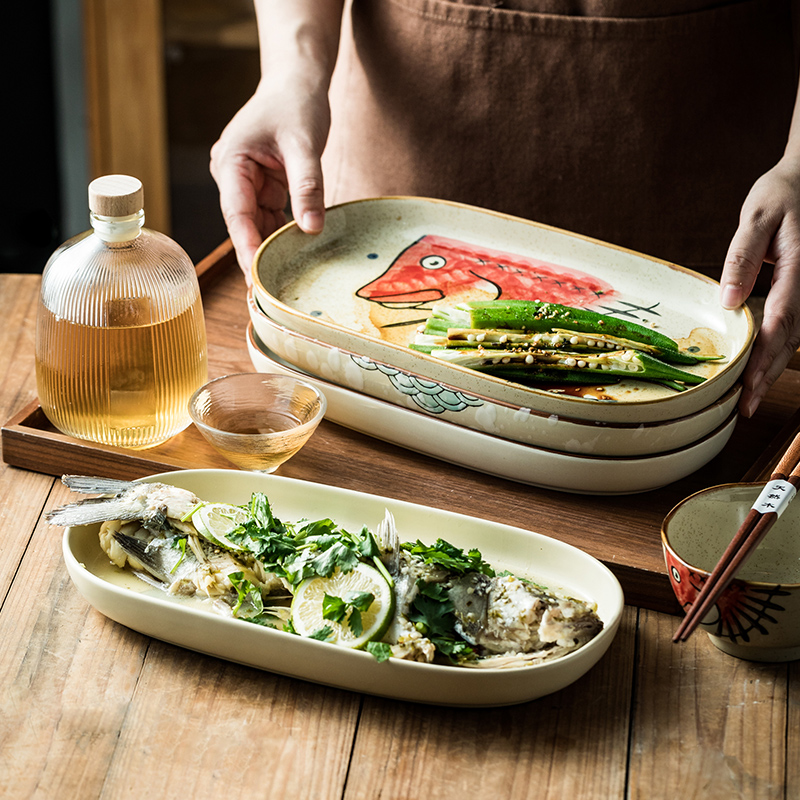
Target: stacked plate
{"points": [[342, 307]]}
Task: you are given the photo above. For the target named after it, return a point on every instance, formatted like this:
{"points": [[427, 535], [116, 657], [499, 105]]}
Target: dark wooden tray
{"points": [[622, 531]]}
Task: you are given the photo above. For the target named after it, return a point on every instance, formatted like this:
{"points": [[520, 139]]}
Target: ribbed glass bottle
{"points": [[120, 334]]}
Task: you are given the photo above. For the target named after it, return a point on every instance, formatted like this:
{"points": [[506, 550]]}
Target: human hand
{"points": [[268, 152], [769, 230]]}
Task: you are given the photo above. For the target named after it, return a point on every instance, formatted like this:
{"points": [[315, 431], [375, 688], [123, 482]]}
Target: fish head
{"points": [[435, 268], [686, 582], [428, 271]]}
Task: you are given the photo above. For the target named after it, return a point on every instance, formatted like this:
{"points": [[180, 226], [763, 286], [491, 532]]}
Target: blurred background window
{"points": [[101, 86]]}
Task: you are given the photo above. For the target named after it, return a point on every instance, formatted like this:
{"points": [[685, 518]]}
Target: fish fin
{"points": [[163, 562], [389, 542], [89, 484], [88, 512]]}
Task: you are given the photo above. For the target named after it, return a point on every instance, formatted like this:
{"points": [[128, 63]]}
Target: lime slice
{"points": [[307, 605], [215, 521]]}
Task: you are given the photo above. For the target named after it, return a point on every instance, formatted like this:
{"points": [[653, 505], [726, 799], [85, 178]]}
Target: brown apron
{"points": [[592, 115]]}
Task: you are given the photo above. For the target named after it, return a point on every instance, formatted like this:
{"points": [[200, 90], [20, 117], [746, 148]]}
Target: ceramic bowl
{"points": [[257, 421], [536, 466], [386, 382], [368, 281], [756, 618]]}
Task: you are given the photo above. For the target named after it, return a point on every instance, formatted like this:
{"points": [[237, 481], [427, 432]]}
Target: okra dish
{"points": [[543, 344]]}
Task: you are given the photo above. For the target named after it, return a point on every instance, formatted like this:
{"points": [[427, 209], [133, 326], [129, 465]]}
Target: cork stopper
{"points": [[116, 196]]}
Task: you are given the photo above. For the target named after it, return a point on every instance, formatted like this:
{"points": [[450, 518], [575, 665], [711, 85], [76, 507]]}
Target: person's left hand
{"points": [[769, 230]]}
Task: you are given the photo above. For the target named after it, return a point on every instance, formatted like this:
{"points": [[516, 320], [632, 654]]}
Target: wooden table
{"points": [[90, 709]]}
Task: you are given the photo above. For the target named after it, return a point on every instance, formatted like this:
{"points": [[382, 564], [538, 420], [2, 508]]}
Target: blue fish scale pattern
{"points": [[428, 395]]}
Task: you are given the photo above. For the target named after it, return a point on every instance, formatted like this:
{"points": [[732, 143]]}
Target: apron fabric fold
{"points": [[645, 130]]}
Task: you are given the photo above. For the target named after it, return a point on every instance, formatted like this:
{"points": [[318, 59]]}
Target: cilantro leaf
{"points": [[264, 536], [265, 620], [320, 527], [245, 590], [437, 618], [179, 544], [333, 608], [360, 600], [337, 555], [436, 591], [380, 650], [449, 557], [354, 621], [432, 612], [261, 512], [367, 546], [297, 552], [323, 634], [454, 649]]}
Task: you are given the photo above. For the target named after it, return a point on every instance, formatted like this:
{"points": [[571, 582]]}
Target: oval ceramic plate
{"points": [[536, 466], [121, 597], [385, 382], [375, 272]]}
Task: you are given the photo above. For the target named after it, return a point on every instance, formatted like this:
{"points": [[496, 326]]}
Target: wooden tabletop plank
{"points": [[23, 497], [706, 724], [793, 732], [18, 300], [569, 744], [68, 677], [218, 729]]}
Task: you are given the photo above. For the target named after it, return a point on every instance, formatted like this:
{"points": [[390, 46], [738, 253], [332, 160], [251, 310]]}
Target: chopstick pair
{"points": [[778, 492]]}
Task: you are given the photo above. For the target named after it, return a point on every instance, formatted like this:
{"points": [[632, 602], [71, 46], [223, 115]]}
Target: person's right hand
{"points": [[769, 231], [269, 150]]}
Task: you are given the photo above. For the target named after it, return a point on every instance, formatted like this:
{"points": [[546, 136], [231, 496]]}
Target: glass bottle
{"points": [[120, 333]]}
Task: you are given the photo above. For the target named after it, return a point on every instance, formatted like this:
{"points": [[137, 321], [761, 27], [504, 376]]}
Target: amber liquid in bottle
{"points": [[120, 336], [126, 385]]}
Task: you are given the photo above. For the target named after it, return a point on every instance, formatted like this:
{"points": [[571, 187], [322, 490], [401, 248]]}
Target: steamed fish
{"points": [[503, 619], [446, 605]]}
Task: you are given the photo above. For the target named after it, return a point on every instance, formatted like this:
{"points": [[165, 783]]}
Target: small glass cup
{"points": [[256, 420]]}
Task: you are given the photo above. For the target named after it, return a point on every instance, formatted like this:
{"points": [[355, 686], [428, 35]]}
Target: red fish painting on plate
{"points": [[438, 269]]}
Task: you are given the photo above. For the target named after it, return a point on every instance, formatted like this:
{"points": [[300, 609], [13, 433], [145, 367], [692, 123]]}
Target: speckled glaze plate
{"points": [[536, 466], [385, 382], [372, 276], [190, 624]]}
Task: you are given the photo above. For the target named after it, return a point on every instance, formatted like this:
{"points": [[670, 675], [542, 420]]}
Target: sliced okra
{"points": [[558, 339], [625, 363], [533, 316]]}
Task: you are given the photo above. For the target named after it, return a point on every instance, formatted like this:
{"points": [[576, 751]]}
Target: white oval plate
{"points": [[124, 599], [385, 382], [536, 466], [350, 286]]}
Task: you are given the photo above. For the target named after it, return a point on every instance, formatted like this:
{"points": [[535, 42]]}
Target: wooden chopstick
{"points": [[750, 534]]}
